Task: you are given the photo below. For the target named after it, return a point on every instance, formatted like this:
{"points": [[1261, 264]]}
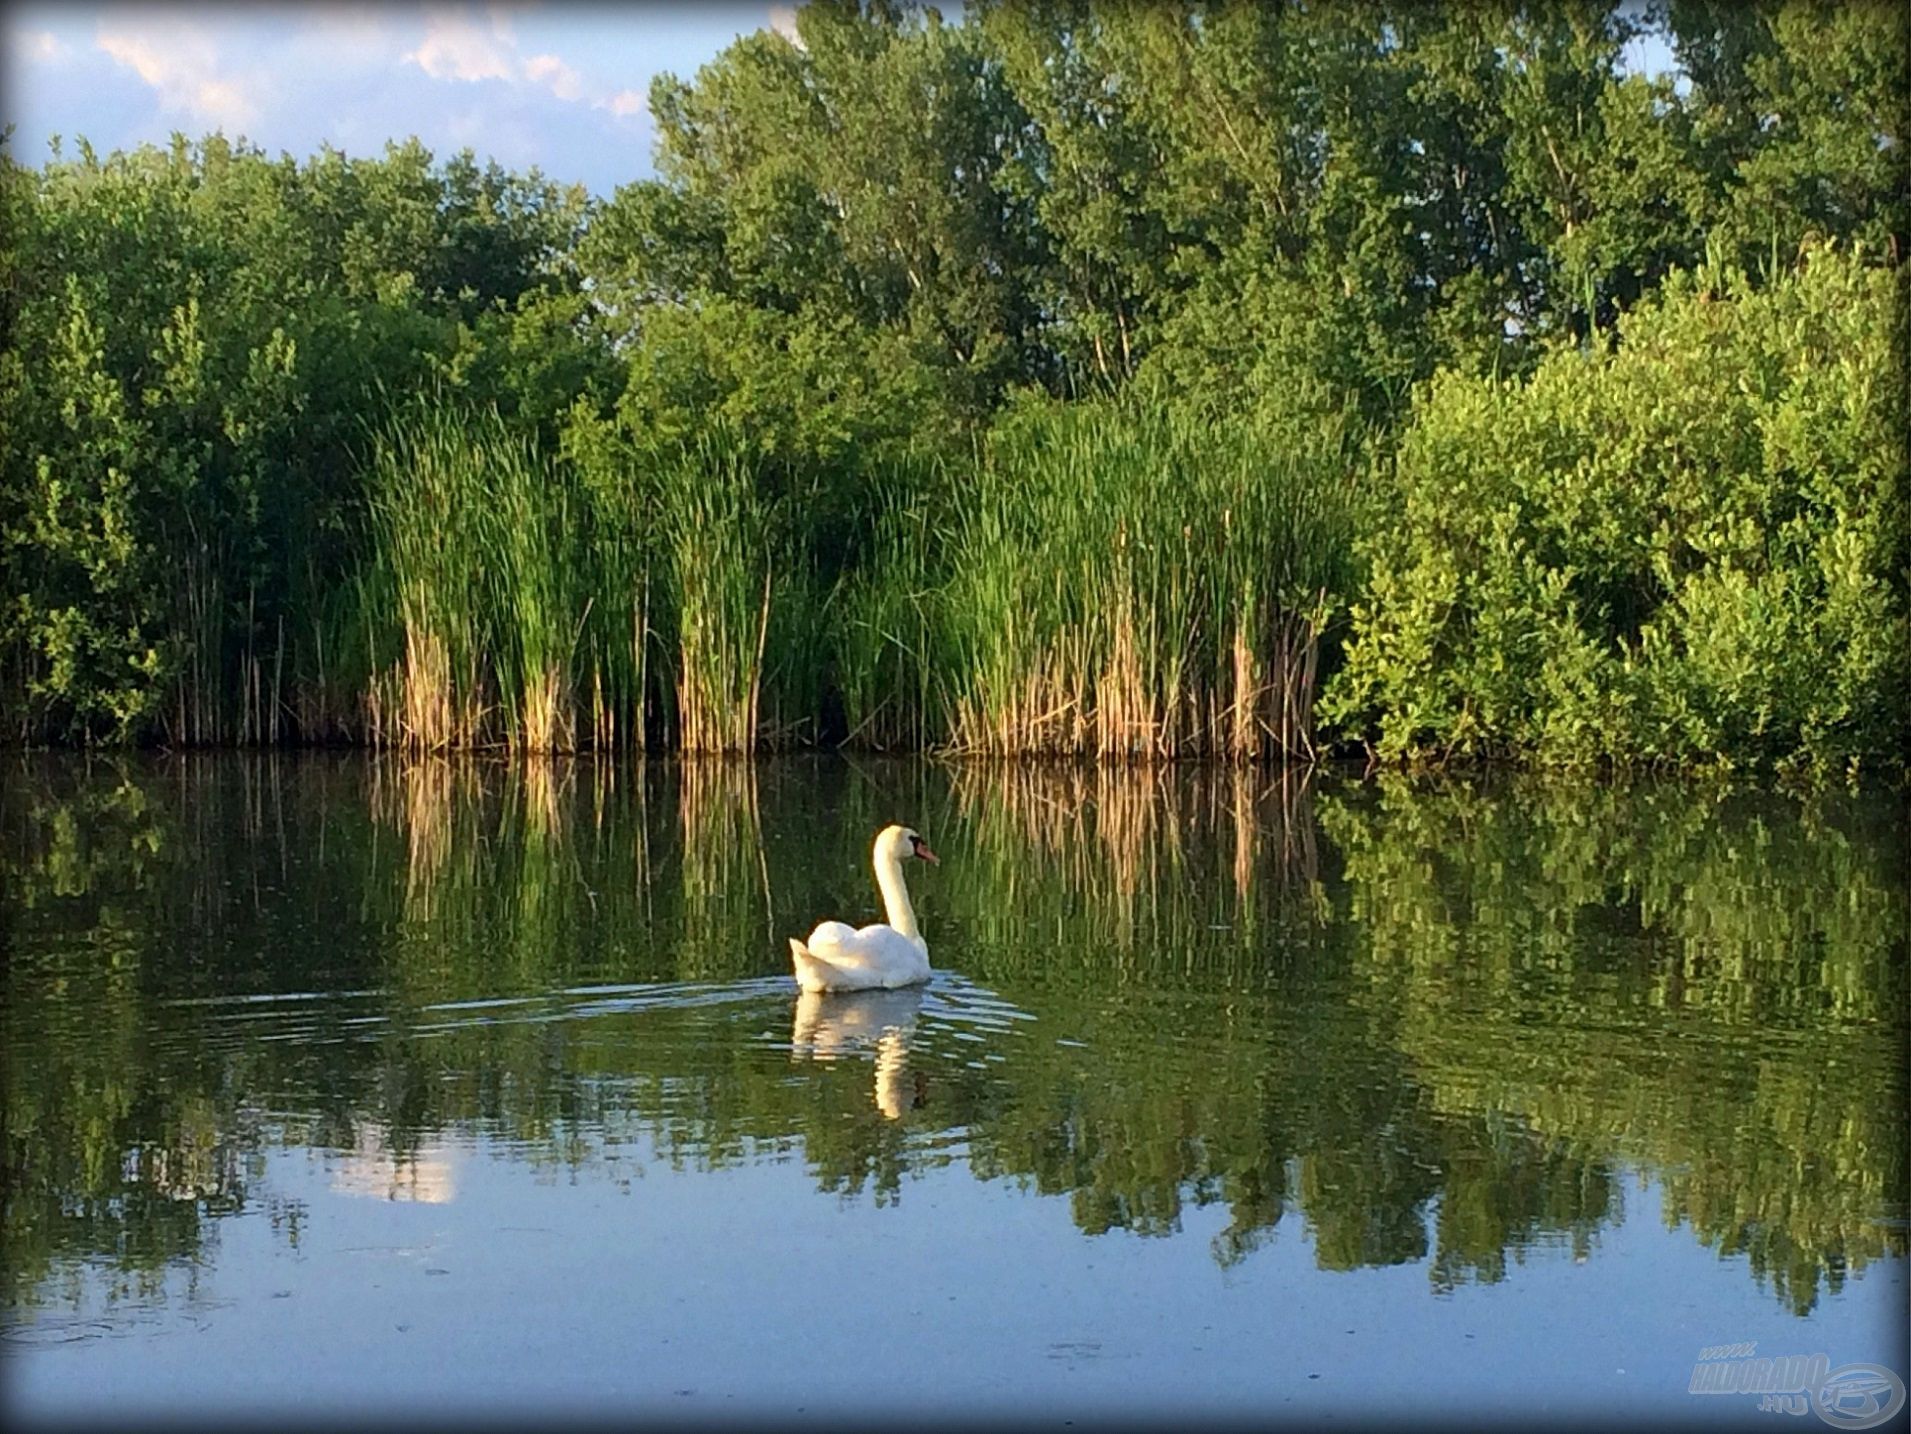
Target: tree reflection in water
{"points": [[1434, 1022]]}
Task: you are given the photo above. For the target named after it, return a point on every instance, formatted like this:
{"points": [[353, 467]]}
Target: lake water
{"points": [[340, 1086]]}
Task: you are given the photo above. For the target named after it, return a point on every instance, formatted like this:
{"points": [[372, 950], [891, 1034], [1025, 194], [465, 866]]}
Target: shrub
{"points": [[1688, 543]]}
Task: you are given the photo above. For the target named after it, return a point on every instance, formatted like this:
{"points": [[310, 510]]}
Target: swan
{"points": [[840, 957]]}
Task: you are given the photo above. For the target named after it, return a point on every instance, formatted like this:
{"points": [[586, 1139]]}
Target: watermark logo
{"points": [[1857, 1396], [1852, 1396]]}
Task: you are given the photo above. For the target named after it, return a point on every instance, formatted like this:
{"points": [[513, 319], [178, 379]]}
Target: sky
{"points": [[559, 86], [543, 83]]}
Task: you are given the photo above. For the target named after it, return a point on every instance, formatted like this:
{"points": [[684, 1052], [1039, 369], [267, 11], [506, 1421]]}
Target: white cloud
{"points": [[624, 103], [556, 76], [181, 64], [42, 46], [783, 21], [456, 47]]}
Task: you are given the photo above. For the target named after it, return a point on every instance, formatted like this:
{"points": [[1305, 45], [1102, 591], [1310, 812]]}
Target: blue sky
{"points": [[562, 87], [559, 86]]}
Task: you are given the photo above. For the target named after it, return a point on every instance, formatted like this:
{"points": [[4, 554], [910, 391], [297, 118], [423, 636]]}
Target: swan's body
{"points": [[841, 957]]}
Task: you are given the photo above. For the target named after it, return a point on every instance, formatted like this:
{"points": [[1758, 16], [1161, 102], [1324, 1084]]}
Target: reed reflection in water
{"points": [[1435, 1023]]}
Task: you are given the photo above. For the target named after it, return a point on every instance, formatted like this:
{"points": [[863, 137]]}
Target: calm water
{"points": [[350, 1086]]}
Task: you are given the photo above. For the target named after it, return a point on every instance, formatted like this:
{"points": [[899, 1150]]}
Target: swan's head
{"points": [[896, 843]]}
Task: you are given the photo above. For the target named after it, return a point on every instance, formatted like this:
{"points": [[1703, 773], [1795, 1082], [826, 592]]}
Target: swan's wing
{"points": [[842, 946], [871, 948], [831, 934], [885, 938], [897, 959], [833, 959], [815, 974]]}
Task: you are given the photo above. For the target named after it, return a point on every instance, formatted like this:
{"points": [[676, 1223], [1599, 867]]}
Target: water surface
{"points": [[339, 1085]]}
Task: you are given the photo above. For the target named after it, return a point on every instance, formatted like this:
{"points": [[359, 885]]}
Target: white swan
{"points": [[840, 957]]}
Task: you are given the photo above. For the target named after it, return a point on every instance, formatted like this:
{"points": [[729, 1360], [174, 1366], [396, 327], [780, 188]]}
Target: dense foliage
{"points": [[196, 341], [765, 404], [1694, 541]]}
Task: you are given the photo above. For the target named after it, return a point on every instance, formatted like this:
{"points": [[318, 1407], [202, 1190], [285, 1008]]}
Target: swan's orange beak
{"points": [[922, 850]]}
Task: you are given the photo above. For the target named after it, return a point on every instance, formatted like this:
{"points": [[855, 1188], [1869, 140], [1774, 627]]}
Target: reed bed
{"points": [[721, 551], [619, 635], [1106, 580], [232, 685], [1130, 583], [510, 602], [470, 599], [887, 619]]}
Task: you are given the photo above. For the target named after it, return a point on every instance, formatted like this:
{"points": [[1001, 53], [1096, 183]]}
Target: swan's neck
{"points": [[895, 892]]}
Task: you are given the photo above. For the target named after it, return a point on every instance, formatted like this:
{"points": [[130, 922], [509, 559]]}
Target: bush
{"points": [[1689, 543]]}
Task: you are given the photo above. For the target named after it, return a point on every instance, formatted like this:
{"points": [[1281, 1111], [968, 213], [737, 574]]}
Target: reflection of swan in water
{"points": [[854, 1022]]}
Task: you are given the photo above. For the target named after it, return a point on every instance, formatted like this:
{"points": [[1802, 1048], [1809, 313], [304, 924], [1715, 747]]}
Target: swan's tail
{"points": [[809, 971]]}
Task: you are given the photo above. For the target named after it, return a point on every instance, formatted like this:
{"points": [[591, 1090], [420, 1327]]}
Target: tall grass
{"points": [[512, 598], [472, 601], [721, 551], [619, 634], [892, 667], [712, 614], [1131, 583], [1107, 580]]}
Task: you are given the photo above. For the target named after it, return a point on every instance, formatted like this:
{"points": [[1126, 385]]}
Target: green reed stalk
{"points": [[473, 598], [1106, 579], [1133, 583], [887, 632], [717, 529], [536, 604]]}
